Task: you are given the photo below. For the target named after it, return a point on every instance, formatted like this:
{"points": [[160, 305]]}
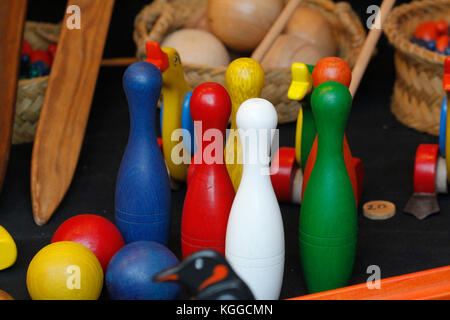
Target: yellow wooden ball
{"points": [[242, 24], [65, 271]]}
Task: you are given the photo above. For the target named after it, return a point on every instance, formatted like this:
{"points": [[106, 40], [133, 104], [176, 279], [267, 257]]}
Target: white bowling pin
{"points": [[255, 236]]}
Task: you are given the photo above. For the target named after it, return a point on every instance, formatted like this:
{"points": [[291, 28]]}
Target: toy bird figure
{"points": [[208, 276], [175, 91]]}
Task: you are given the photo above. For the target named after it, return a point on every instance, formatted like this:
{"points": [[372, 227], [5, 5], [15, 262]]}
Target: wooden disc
{"points": [[379, 210]]}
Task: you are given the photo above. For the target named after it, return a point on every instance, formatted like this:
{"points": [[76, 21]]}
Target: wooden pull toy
{"points": [[245, 80], [8, 249], [430, 178], [431, 170], [174, 92], [286, 176]]}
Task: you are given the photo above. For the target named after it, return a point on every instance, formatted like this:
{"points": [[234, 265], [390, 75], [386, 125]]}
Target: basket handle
{"points": [[151, 24]]}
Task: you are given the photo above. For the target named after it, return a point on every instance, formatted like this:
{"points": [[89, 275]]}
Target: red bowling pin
{"points": [[210, 194]]}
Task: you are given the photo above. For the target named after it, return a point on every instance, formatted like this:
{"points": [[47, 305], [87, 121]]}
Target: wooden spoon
{"points": [[66, 106], [12, 19]]}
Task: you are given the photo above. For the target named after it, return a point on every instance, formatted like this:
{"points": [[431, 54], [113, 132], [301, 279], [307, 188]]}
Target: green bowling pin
{"points": [[328, 219]]}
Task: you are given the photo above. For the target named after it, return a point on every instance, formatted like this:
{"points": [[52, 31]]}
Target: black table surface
{"points": [[398, 246]]}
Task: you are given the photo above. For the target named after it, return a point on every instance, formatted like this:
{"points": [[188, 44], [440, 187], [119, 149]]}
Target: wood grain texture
{"points": [[433, 284], [12, 18], [66, 107]]}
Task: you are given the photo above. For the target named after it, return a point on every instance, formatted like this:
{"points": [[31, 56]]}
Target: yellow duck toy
{"points": [[174, 91], [244, 80]]}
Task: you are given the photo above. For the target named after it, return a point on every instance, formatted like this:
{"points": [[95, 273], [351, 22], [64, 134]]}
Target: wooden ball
{"points": [[5, 296], [242, 24], [288, 49], [332, 69], [198, 47], [311, 26]]}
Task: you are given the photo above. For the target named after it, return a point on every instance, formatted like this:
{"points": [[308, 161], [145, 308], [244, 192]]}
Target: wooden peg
{"points": [[276, 30]]}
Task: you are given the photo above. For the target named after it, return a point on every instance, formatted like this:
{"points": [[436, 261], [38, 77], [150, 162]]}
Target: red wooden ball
{"points": [[442, 42], [427, 31], [332, 69], [26, 48], [41, 55], [442, 27], [94, 232]]}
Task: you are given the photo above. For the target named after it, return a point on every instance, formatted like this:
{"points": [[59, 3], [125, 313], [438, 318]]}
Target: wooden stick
{"points": [[433, 284], [275, 30], [119, 62], [66, 106], [12, 20], [369, 46]]}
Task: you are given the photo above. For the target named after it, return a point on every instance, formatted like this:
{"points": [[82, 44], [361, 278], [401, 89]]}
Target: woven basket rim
{"points": [[326, 5], [37, 79], [400, 41]]}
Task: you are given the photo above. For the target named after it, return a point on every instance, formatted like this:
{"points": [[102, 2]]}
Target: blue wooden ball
{"points": [[130, 272]]}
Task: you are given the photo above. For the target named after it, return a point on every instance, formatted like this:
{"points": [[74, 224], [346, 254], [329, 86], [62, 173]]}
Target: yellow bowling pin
{"points": [[244, 80]]}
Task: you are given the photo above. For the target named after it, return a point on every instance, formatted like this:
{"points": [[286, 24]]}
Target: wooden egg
{"points": [[242, 24], [312, 26], [198, 47], [288, 49]]}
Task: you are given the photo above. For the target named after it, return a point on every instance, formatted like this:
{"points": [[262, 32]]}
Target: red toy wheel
{"points": [[425, 168], [282, 171]]}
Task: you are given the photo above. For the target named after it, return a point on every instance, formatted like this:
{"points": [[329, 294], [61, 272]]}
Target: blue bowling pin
{"points": [[142, 204]]}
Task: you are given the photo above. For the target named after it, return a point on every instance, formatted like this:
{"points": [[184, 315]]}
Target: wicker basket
{"points": [[30, 92], [165, 16], [418, 92]]}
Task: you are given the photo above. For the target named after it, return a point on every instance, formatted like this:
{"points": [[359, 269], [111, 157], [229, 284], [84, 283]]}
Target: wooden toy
{"points": [[8, 249], [328, 229], [430, 284], [64, 270], [255, 235], [142, 204], [332, 69], [94, 232], [275, 30], [430, 177], [242, 24], [41, 55], [208, 276], [288, 49], [442, 43], [282, 173], [311, 26], [369, 46], [300, 87], [130, 272], [208, 50], [427, 31], [12, 19], [244, 80], [5, 296], [379, 210], [430, 169], [66, 107], [210, 194], [174, 92], [442, 27]]}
